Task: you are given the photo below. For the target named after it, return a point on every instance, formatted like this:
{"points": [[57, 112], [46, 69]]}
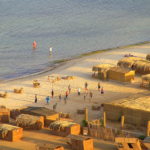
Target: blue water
{"points": [[71, 27]]}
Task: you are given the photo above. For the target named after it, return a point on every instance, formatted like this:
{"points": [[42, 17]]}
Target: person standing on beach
{"points": [[60, 97], [35, 100], [34, 45], [98, 86], [69, 88], [91, 95], [52, 93], [102, 90], [47, 99], [67, 94], [79, 91], [86, 85]]}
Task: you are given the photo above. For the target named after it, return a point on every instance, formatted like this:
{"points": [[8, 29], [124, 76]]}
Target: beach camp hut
{"points": [[78, 142], [100, 71], [64, 128], [49, 115], [146, 81], [121, 74], [10, 133], [30, 122], [128, 143], [142, 66], [4, 114], [148, 57], [128, 62]]}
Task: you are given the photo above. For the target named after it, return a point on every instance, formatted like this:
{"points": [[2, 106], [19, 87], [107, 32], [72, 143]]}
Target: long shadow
{"points": [[8, 148]]}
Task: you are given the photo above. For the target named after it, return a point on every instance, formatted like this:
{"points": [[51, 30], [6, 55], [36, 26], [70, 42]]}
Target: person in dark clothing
{"points": [[86, 85], [52, 93], [60, 97], [98, 86], [35, 100], [102, 90], [91, 95]]}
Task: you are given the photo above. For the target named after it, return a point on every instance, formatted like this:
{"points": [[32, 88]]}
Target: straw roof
{"points": [[38, 111], [127, 62], [146, 77], [119, 70], [138, 101], [101, 67], [142, 66], [26, 119]]}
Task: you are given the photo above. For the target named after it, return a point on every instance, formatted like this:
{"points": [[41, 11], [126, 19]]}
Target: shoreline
{"points": [[61, 62]]}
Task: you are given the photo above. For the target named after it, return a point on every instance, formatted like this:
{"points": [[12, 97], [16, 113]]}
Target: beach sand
{"points": [[81, 69]]}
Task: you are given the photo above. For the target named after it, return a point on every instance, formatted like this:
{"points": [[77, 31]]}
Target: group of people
{"points": [[68, 91]]}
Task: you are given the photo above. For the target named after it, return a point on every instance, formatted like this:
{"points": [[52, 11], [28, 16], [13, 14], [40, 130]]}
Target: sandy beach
{"points": [[81, 69]]}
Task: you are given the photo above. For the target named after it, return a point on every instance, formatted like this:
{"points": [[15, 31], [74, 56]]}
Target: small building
{"points": [[120, 74], [10, 133], [128, 143], [64, 128], [49, 115], [146, 81], [78, 142], [101, 71]]}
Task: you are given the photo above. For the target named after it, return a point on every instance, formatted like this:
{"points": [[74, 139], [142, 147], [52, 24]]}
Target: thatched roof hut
{"points": [[148, 57], [142, 66], [128, 62], [145, 81]]}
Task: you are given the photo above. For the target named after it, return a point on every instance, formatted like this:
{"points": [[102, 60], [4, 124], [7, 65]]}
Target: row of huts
{"points": [[125, 70]]}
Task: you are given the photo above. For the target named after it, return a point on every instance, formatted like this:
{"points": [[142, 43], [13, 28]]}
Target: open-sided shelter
{"points": [[100, 71], [49, 115]]}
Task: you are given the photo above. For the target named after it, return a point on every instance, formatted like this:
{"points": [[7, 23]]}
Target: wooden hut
{"points": [[64, 128], [30, 122], [10, 133], [46, 146], [128, 62], [148, 57], [78, 142], [145, 81], [49, 115], [121, 74], [100, 71], [142, 66], [128, 143], [4, 114]]}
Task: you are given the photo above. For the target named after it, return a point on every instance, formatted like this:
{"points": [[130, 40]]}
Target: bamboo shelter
{"points": [[49, 115], [128, 62], [4, 114], [121, 74], [148, 57], [100, 71], [64, 128], [146, 81], [135, 109], [30, 122], [10, 133], [78, 142]]}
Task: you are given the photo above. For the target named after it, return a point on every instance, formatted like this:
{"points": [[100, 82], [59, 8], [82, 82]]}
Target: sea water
{"points": [[71, 27]]}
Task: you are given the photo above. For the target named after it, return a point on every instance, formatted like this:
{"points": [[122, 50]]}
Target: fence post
{"points": [[104, 119], [148, 128], [86, 114], [122, 122]]}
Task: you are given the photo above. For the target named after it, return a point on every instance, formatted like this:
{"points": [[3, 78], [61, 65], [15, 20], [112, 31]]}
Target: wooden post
{"points": [[86, 114], [148, 128], [104, 118], [122, 122]]}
